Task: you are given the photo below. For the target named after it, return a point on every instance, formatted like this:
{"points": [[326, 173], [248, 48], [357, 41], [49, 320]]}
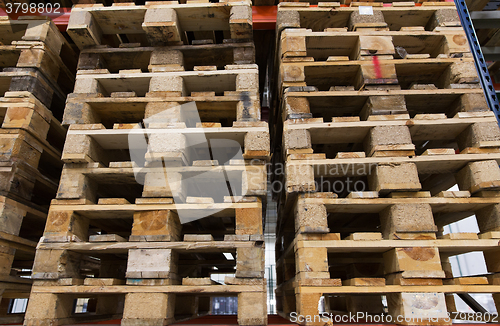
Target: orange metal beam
{"points": [[264, 17]]}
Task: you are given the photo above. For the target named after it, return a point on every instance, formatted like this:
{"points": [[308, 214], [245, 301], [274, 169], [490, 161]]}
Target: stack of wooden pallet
{"points": [[165, 179], [381, 113], [37, 72]]}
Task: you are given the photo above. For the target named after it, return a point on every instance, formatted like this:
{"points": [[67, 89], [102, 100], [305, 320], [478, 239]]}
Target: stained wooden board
{"points": [[131, 175], [31, 209], [426, 164], [127, 211], [12, 30], [450, 247], [117, 19], [83, 289], [11, 287], [132, 109], [401, 289], [123, 247], [8, 56], [119, 138], [20, 242], [356, 132], [445, 210], [6, 77], [49, 151]]}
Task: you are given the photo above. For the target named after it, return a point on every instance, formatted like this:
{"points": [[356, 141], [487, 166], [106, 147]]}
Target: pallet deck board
{"points": [[118, 139], [124, 247], [355, 132], [87, 289], [426, 164]]}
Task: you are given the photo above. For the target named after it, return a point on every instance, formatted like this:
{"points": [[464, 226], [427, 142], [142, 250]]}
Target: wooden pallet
{"points": [[221, 96], [36, 30], [171, 58], [94, 143], [31, 146], [35, 46], [22, 110], [386, 176], [136, 234], [99, 83], [331, 15], [379, 74], [93, 183], [369, 212], [227, 110], [337, 105], [363, 283], [219, 214], [392, 135], [160, 24], [30, 167], [306, 45]]}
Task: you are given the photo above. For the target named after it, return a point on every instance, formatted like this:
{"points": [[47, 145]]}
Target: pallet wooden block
{"points": [[478, 176], [155, 226], [409, 305], [407, 221]]}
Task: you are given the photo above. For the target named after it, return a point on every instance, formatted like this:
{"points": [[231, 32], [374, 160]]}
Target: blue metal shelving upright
{"points": [[481, 66]]}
